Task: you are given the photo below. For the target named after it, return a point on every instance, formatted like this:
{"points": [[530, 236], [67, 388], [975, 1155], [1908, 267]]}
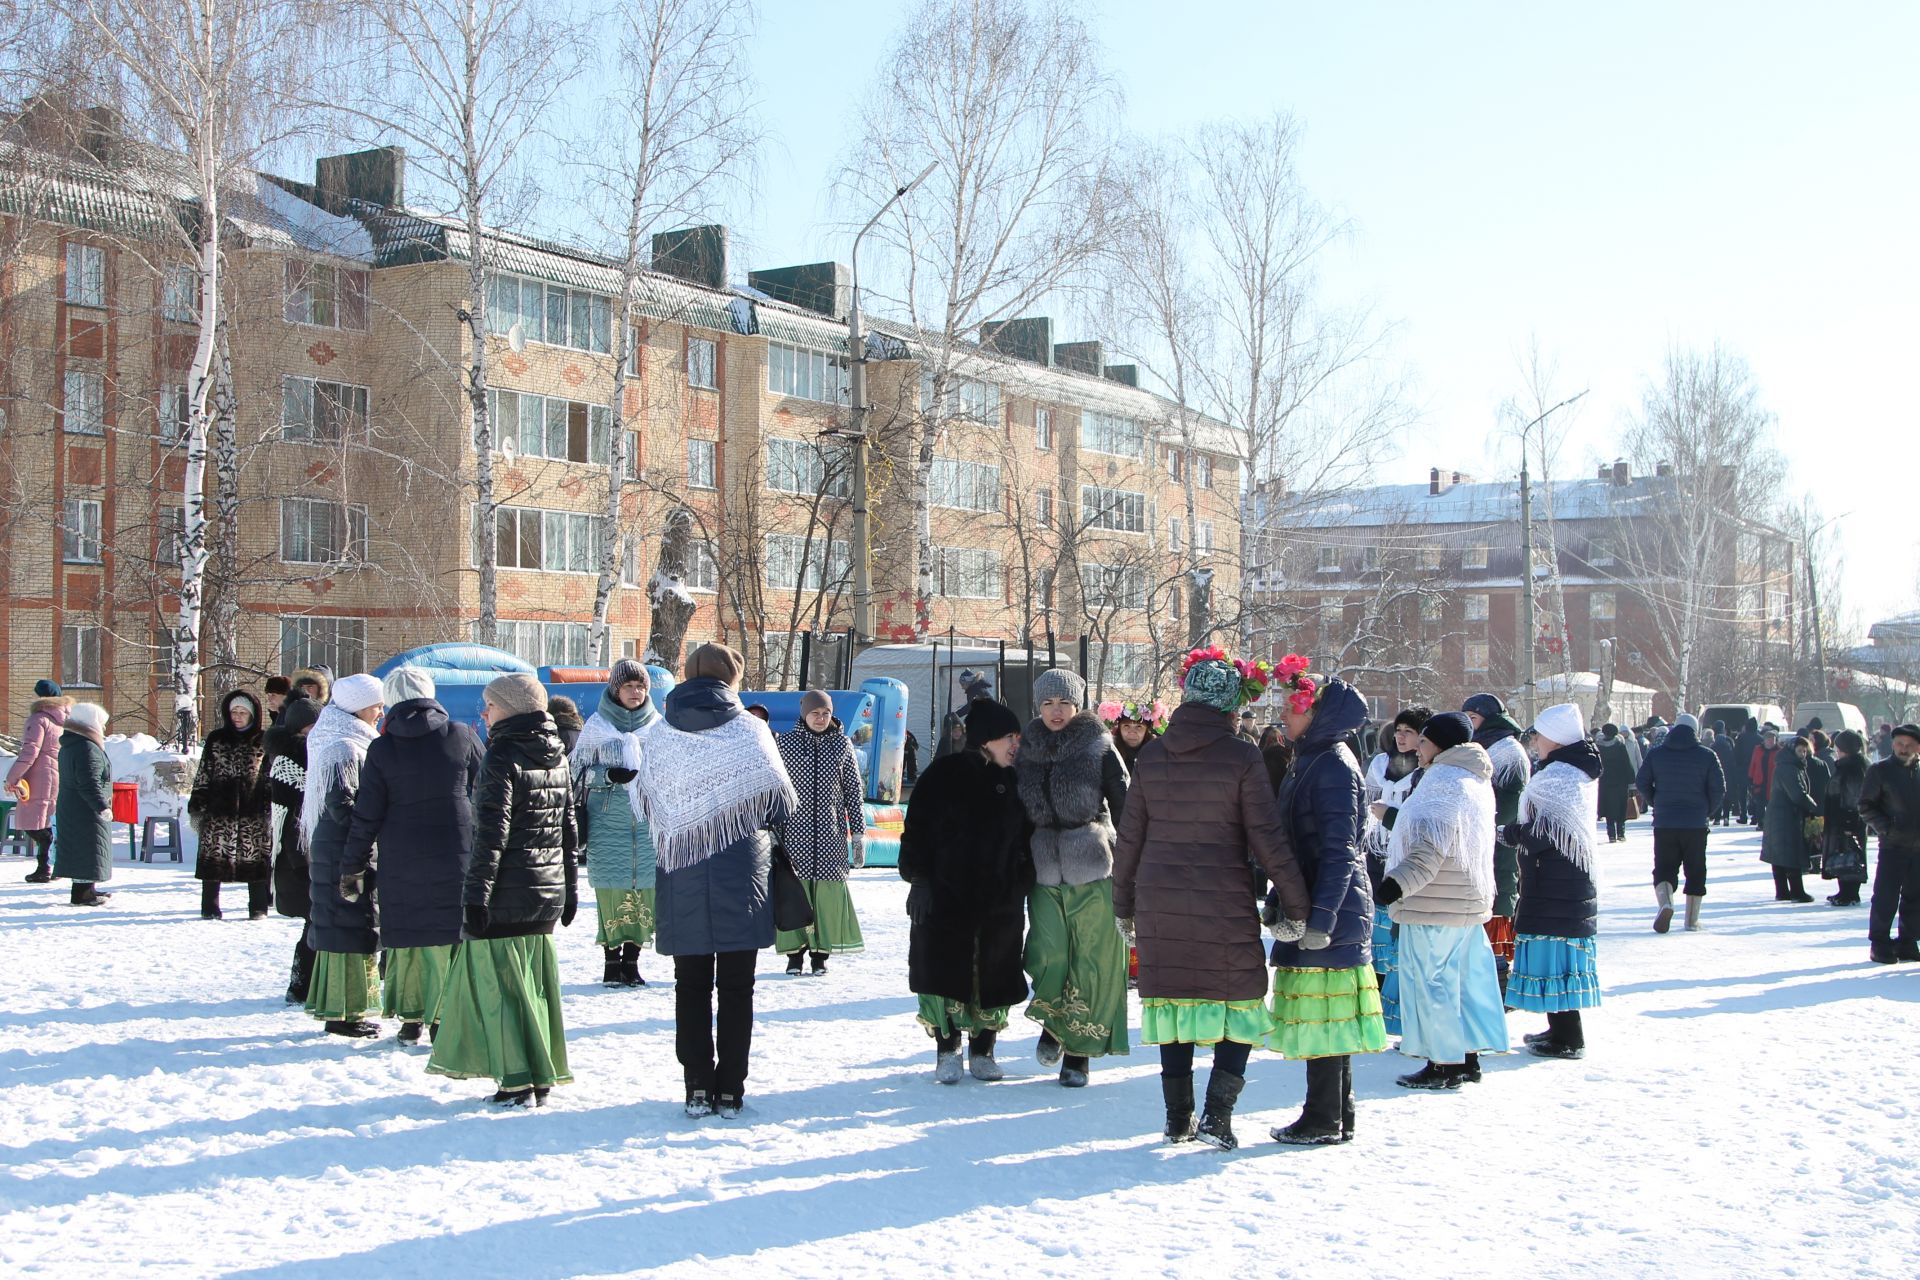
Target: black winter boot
{"points": [[1320, 1123], [1470, 1069], [614, 974], [980, 1063], [87, 895], [1346, 1099], [42, 872], [819, 962], [794, 962], [630, 965], [1178, 1092], [1434, 1076], [1216, 1124]]}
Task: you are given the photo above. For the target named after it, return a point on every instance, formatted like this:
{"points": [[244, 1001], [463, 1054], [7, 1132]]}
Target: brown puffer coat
{"points": [[1200, 815]]}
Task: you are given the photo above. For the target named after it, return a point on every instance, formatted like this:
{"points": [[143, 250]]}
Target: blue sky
{"points": [[1611, 178]]}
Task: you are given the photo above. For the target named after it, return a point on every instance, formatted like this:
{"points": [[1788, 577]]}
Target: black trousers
{"points": [[259, 895], [1896, 896], [716, 1063], [1677, 848], [1230, 1056]]}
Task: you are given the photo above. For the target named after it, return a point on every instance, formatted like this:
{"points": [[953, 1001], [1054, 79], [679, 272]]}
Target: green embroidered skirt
{"points": [[1077, 961], [835, 927], [415, 978], [626, 915], [343, 986], [500, 1015], [1326, 1013], [1167, 1021], [944, 1017]]}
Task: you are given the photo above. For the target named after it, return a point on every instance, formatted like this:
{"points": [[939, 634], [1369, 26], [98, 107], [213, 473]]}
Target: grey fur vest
{"points": [[1073, 785]]}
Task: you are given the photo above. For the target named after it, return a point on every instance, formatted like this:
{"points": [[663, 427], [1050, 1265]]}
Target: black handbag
{"points": [[791, 910], [1846, 856]]}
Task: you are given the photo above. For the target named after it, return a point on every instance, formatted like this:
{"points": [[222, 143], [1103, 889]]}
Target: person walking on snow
{"points": [[1497, 732], [1199, 815], [828, 825], [619, 848], [1681, 782], [343, 933], [1616, 781], [1890, 802], [83, 813], [500, 1015], [1075, 788], [1553, 958], [1783, 839], [230, 813], [1439, 888], [33, 779], [416, 803], [1326, 999], [965, 852]]}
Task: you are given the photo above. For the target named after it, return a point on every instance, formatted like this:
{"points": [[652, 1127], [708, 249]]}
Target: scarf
{"points": [[336, 746], [703, 791], [1561, 803], [1452, 809], [610, 740]]}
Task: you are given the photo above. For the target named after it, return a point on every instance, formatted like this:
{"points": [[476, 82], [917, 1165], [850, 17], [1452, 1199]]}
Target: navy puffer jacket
{"points": [[1323, 801], [1682, 781], [1557, 898]]}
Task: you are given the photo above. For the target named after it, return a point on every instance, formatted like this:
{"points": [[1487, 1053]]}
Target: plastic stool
{"points": [[13, 841], [149, 841]]}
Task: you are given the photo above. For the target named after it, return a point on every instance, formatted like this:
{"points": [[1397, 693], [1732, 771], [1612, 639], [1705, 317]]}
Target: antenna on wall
{"points": [[517, 337]]}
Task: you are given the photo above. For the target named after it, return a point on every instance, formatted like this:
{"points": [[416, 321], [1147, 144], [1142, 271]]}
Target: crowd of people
{"points": [[1421, 895]]}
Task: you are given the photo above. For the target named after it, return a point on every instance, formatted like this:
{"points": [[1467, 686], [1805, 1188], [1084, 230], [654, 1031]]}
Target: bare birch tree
{"points": [[1007, 100]]}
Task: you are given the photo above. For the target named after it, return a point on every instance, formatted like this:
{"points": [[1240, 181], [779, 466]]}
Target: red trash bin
{"points": [[126, 803]]}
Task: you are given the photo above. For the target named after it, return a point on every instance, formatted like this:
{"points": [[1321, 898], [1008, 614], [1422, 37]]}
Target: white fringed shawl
{"points": [[703, 791], [1452, 810], [1562, 803], [336, 747], [605, 745], [1510, 762]]}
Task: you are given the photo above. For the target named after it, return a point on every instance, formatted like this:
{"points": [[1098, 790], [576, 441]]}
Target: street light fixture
{"points": [[1531, 641]]}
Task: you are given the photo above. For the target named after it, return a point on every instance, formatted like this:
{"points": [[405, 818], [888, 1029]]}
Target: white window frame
{"points": [[170, 529], [80, 666], [80, 540], [1175, 541], [1429, 559], [1115, 510], [1474, 556], [172, 413], [796, 563], [86, 270], [1327, 560], [1203, 537], [1043, 508], [1432, 607], [569, 540], [970, 573], [1101, 583], [1113, 435], [964, 486], [969, 398], [1476, 606], [307, 640], [544, 642], [803, 373], [1603, 606], [1600, 553], [1042, 429], [1476, 657], [703, 463], [1203, 470], [1125, 664], [703, 364], [83, 403], [333, 411], [703, 570], [553, 438], [347, 531], [180, 294], [807, 468], [326, 295], [551, 314]]}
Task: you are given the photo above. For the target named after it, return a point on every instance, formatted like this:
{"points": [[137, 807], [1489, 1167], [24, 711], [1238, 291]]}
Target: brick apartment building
{"points": [[1058, 499]]}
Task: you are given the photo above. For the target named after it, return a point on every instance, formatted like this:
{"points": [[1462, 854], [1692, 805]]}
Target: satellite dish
{"points": [[516, 337], [508, 449]]}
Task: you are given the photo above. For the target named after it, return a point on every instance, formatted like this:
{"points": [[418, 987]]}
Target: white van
{"points": [[1833, 717], [1736, 714]]}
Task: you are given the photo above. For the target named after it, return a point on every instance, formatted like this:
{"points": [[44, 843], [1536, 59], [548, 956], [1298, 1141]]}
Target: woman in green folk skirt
{"points": [[829, 821], [500, 1014], [1074, 788], [621, 861], [341, 930]]}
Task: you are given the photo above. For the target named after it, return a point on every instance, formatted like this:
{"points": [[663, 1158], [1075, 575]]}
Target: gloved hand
{"points": [[856, 853], [621, 777], [1126, 930], [477, 919], [1315, 940], [920, 903], [1510, 834], [1285, 930], [570, 909], [353, 886], [1388, 893]]}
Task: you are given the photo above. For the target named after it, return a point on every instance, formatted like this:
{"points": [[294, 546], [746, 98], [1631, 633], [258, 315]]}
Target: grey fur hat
{"points": [[1060, 683]]}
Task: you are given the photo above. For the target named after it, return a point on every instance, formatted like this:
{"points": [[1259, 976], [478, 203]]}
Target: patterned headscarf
{"points": [[1212, 682]]}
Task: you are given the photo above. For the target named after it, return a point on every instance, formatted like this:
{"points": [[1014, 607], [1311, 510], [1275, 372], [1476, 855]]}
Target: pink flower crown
{"points": [[1113, 712], [1254, 676], [1293, 670]]}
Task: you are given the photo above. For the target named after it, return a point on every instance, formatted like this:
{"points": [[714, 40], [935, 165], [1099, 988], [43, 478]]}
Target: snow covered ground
{"points": [[1747, 1108]]}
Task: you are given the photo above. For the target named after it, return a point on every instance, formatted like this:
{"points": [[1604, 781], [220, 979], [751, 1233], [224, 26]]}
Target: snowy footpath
{"points": [[1748, 1107]]}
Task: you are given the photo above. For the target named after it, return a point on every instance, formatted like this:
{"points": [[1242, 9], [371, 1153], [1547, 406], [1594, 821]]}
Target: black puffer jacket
{"points": [[1890, 802], [1557, 898], [416, 800], [283, 782], [524, 867]]}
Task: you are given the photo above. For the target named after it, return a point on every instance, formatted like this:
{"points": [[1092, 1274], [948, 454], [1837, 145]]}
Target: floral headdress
{"points": [[1293, 672], [1153, 715], [1227, 683]]}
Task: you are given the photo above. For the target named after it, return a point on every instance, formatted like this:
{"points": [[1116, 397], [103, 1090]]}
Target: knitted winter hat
{"points": [[716, 662], [404, 684], [1484, 705], [91, 715], [624, 670], [1060, 683], [1687, 722], [299, 713], [355, 694], [46, 689], [814, 700], [516, 694], [1562, 724], [1449, 729], [988, 720]]}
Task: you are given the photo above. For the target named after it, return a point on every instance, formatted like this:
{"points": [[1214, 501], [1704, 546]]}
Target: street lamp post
{"points": [[857, 426], [1529, 641]]}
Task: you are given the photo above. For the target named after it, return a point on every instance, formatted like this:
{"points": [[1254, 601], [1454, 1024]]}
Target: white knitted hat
{"points": [[1562, 724], [354, 694]]}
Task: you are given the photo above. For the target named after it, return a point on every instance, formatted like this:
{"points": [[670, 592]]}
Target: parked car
{"points": [[1833, 717], [1735, 714]]}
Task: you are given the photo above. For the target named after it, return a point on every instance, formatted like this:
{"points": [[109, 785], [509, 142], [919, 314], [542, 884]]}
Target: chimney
{"points": [[1081, 357], [1606, 473], [1663, 469], [1127, 374], [1621, 475], [1029, 339], [1434, 487], [697, 255], [377, 177], [1461, 477], [825, 288]]}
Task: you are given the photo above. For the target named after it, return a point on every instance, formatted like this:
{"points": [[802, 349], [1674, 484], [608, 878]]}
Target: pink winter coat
{"points": [[39, 764]]}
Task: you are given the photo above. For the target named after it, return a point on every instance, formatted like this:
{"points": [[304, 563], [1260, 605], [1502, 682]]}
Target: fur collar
{"points": [[1078, 735], [55, 707]]}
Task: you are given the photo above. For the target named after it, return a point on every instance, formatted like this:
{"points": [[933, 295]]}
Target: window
{"points": [[1432, 608], [80, 657], [545, 644], [1600, 606], [161, 649], [1116, 509], [1475, 606], [1476, 656], [966, 398], [701, 468], [780, 651], [1429, 558], [1130, 666], [964, 486], [180, 294], [322, 412], [551, 314], [1175, 461], [83, 409], [316, 531], [1105, 433], [1328, 560], [1599, 553], [549, 427], [803, 564], [340, 643], [1474, 557], [703, 572], [86, 276], [1113, 586], [174, 413], [319, 293], [1043, 508], [80, 531], [808, 375], [1042, 428], [1203, 537], [1175, 541], [170, 535], [1202, 471], [700, 363], [553, 541], [801, 466], [1042, 583], [1370, 559], [968, 573]]}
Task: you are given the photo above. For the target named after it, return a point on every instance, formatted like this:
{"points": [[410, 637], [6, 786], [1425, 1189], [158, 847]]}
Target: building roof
{"points": [[1478, 503]]}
